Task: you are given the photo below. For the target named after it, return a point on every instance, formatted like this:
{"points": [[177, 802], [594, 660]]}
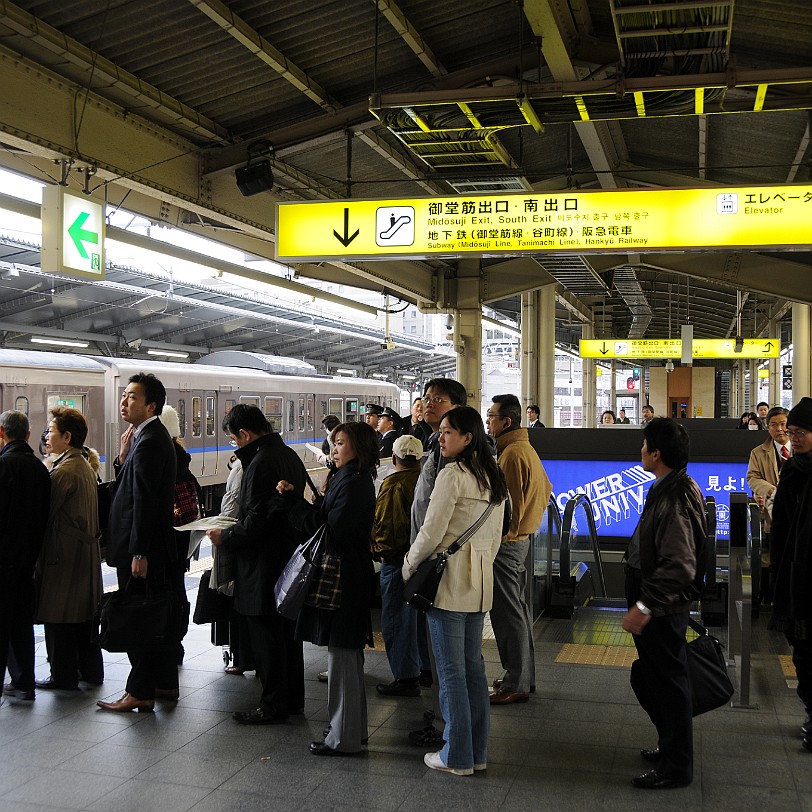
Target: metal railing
{"points": [[580, 500]]}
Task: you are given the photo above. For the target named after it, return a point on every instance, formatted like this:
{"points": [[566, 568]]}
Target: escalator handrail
{"points": [[554, 522], [580, 500]]}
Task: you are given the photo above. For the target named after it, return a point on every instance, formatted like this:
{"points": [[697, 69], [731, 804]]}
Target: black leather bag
{"points": [[211, 606], [420, 591], [136, 620], [710, 684], [293, 584]]}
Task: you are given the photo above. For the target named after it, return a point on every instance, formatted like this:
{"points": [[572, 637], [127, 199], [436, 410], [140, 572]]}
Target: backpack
{"points": [[187, 501]]}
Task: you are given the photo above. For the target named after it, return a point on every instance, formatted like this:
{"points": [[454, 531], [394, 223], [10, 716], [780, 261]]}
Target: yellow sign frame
{"points": [[665, 348], [745, 217]]}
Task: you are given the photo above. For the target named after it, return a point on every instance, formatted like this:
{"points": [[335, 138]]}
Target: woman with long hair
{"points": [[348, 507], [469, 484], [68, 570]]}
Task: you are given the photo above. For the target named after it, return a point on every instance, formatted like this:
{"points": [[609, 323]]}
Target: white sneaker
{"points": [[434, 762], [478, 768]]}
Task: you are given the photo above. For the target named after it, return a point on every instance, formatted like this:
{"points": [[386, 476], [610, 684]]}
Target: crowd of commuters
{"points": [[455, 475]]}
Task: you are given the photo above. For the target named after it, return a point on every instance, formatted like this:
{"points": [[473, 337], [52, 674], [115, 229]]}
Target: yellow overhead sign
{"points": [[530, 223], [634, 349]]}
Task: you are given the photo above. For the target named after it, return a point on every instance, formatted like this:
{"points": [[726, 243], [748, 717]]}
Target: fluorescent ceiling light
{"points": [[168, 353], [59, 342], [379, 375], [409, 377], [345, 371]]}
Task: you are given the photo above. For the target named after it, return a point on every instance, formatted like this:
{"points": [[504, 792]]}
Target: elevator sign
{"points": [[626, 220], [72, 233]]}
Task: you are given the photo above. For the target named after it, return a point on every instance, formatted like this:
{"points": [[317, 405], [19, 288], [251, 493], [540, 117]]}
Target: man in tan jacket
{"points": [[766, 461], [529, 490]]}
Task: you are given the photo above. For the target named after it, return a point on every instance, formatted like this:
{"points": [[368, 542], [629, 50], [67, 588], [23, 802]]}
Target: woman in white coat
{"points": [[466, 486]]}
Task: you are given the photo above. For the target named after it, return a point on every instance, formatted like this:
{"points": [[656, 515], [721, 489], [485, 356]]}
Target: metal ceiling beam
{"points": [[553, 24], [107, 75], [803, 146], [407, 167], [254, 42], [21, 303], [411, 36]]}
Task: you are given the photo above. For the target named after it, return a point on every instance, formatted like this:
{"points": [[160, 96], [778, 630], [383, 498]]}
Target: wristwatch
{"points": [[641, 606], [142, 557]]}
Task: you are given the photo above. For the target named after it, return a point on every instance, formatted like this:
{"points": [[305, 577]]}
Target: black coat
{"points": [[142, 513], [791, 548], [262, 541], [349, 509], [25, 500]]}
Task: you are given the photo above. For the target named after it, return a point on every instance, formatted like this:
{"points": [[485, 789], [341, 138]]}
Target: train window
{"points": [[310, 415], [66, 401], [290, 416], [336, 408], [230, 403], [352, 411], [211, 416], [250, 400], [197, 416], [322, 410], [273, 413], [21, 405], [182, 417], [301, 414]]}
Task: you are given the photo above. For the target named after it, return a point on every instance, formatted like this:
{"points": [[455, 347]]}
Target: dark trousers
{"points": [[279, 662], [17, 628], [157, 668], [802, 660], [74, 653], [660, 683]]}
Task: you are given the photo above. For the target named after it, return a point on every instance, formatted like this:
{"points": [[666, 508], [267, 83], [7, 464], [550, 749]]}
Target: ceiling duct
{"points": [[626, 284]]}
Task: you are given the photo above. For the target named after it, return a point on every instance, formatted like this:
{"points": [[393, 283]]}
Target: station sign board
{"points": [[627, 220], [664, 348], [73, 230]]}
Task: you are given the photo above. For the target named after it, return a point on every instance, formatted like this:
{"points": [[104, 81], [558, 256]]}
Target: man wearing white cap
{"points": [[390, 543]]}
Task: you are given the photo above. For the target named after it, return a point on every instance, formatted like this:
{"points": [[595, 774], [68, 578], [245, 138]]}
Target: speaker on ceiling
{"points": [[254, 178]]}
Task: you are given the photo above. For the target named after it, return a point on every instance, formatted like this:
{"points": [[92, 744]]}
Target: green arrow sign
{"points": [[79, 235]]}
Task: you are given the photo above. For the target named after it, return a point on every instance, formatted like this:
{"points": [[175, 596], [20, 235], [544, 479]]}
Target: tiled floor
{"points": [[573, 746]]}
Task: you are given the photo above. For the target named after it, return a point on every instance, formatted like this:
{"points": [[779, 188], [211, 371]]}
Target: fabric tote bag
{"points": [[710, 684]]}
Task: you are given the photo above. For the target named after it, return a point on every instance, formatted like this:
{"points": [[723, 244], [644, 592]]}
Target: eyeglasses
{"points": [[491, 416], [797, 434], [437, 399]]}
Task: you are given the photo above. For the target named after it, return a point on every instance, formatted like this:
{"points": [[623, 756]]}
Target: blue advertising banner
{"points": [[618, 489]]}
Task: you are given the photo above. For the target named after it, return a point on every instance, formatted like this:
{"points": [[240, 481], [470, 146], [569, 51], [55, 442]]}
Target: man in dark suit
{"points": [[25, 491], [388, 428], [533, 413], [141, 536], [262, 543]]}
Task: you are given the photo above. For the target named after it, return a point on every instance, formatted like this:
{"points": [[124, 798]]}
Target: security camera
{"points": [[449, 322], [669, 366], [134, 344]]}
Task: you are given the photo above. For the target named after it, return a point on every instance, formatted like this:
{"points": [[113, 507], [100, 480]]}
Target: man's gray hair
{"points": [[15, 425]]}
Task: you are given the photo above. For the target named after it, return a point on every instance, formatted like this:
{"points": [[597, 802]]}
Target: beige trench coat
{"points": [[68, 570]]}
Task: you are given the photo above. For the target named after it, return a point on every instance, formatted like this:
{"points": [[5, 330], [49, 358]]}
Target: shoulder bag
{"points": [[707, 670], [293, 584], [420, 591]]}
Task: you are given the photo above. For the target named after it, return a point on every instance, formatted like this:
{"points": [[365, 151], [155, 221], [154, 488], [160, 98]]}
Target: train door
{"points": [[203, 442]]}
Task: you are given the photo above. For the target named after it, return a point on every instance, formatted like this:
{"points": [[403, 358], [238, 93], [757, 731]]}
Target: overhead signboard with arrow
{"points": [[665, 348], [72, 233]]}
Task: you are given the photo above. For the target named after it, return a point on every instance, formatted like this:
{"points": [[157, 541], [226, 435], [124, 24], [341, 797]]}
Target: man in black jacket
{"points": [[25, 491], [141, 533], [664, 575], [262, 544]]}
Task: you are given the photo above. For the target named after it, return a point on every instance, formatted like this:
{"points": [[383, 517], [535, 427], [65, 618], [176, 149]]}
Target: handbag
{"points": [[187, 501], [211, 606], [707, 671], [142, 621], [324, 590], [292, 585], [420, 591]]}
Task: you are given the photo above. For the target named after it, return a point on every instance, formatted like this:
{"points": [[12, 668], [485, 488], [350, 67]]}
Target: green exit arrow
{"points": [[79, 235]]}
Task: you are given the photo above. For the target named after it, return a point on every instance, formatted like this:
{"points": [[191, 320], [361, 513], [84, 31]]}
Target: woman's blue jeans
{"points": [[457, 641]]}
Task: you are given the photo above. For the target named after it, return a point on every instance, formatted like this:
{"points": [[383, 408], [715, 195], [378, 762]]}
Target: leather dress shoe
{"points": [[498, 683], [259, 716], [171, 694], [503, 697], [128, 703], [321, 749], [399, 687], [326, 732], [50, 685], [10, 689], [652, 755], [653, 780]]}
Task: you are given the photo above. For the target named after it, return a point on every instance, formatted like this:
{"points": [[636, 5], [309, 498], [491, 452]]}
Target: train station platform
{"points": [[574, 746]]}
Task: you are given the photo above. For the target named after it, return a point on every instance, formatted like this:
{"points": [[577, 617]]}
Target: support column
{"points": [[468, 329], [774, 391], [588, 389], [538, 351], [801, 349]]}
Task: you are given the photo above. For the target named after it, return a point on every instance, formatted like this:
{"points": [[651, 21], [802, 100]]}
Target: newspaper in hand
{"points": [[208, 523]]}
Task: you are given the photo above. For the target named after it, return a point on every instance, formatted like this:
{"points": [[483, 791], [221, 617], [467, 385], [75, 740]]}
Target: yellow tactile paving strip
{"points": [[583, 654], [785, 660]]}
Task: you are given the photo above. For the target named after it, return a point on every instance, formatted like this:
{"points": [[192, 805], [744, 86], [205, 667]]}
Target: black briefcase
{"points": [[135, 620], [707, 669]]}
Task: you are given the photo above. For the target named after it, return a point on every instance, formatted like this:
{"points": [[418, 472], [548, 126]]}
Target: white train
{"points": [[292, 395]]}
